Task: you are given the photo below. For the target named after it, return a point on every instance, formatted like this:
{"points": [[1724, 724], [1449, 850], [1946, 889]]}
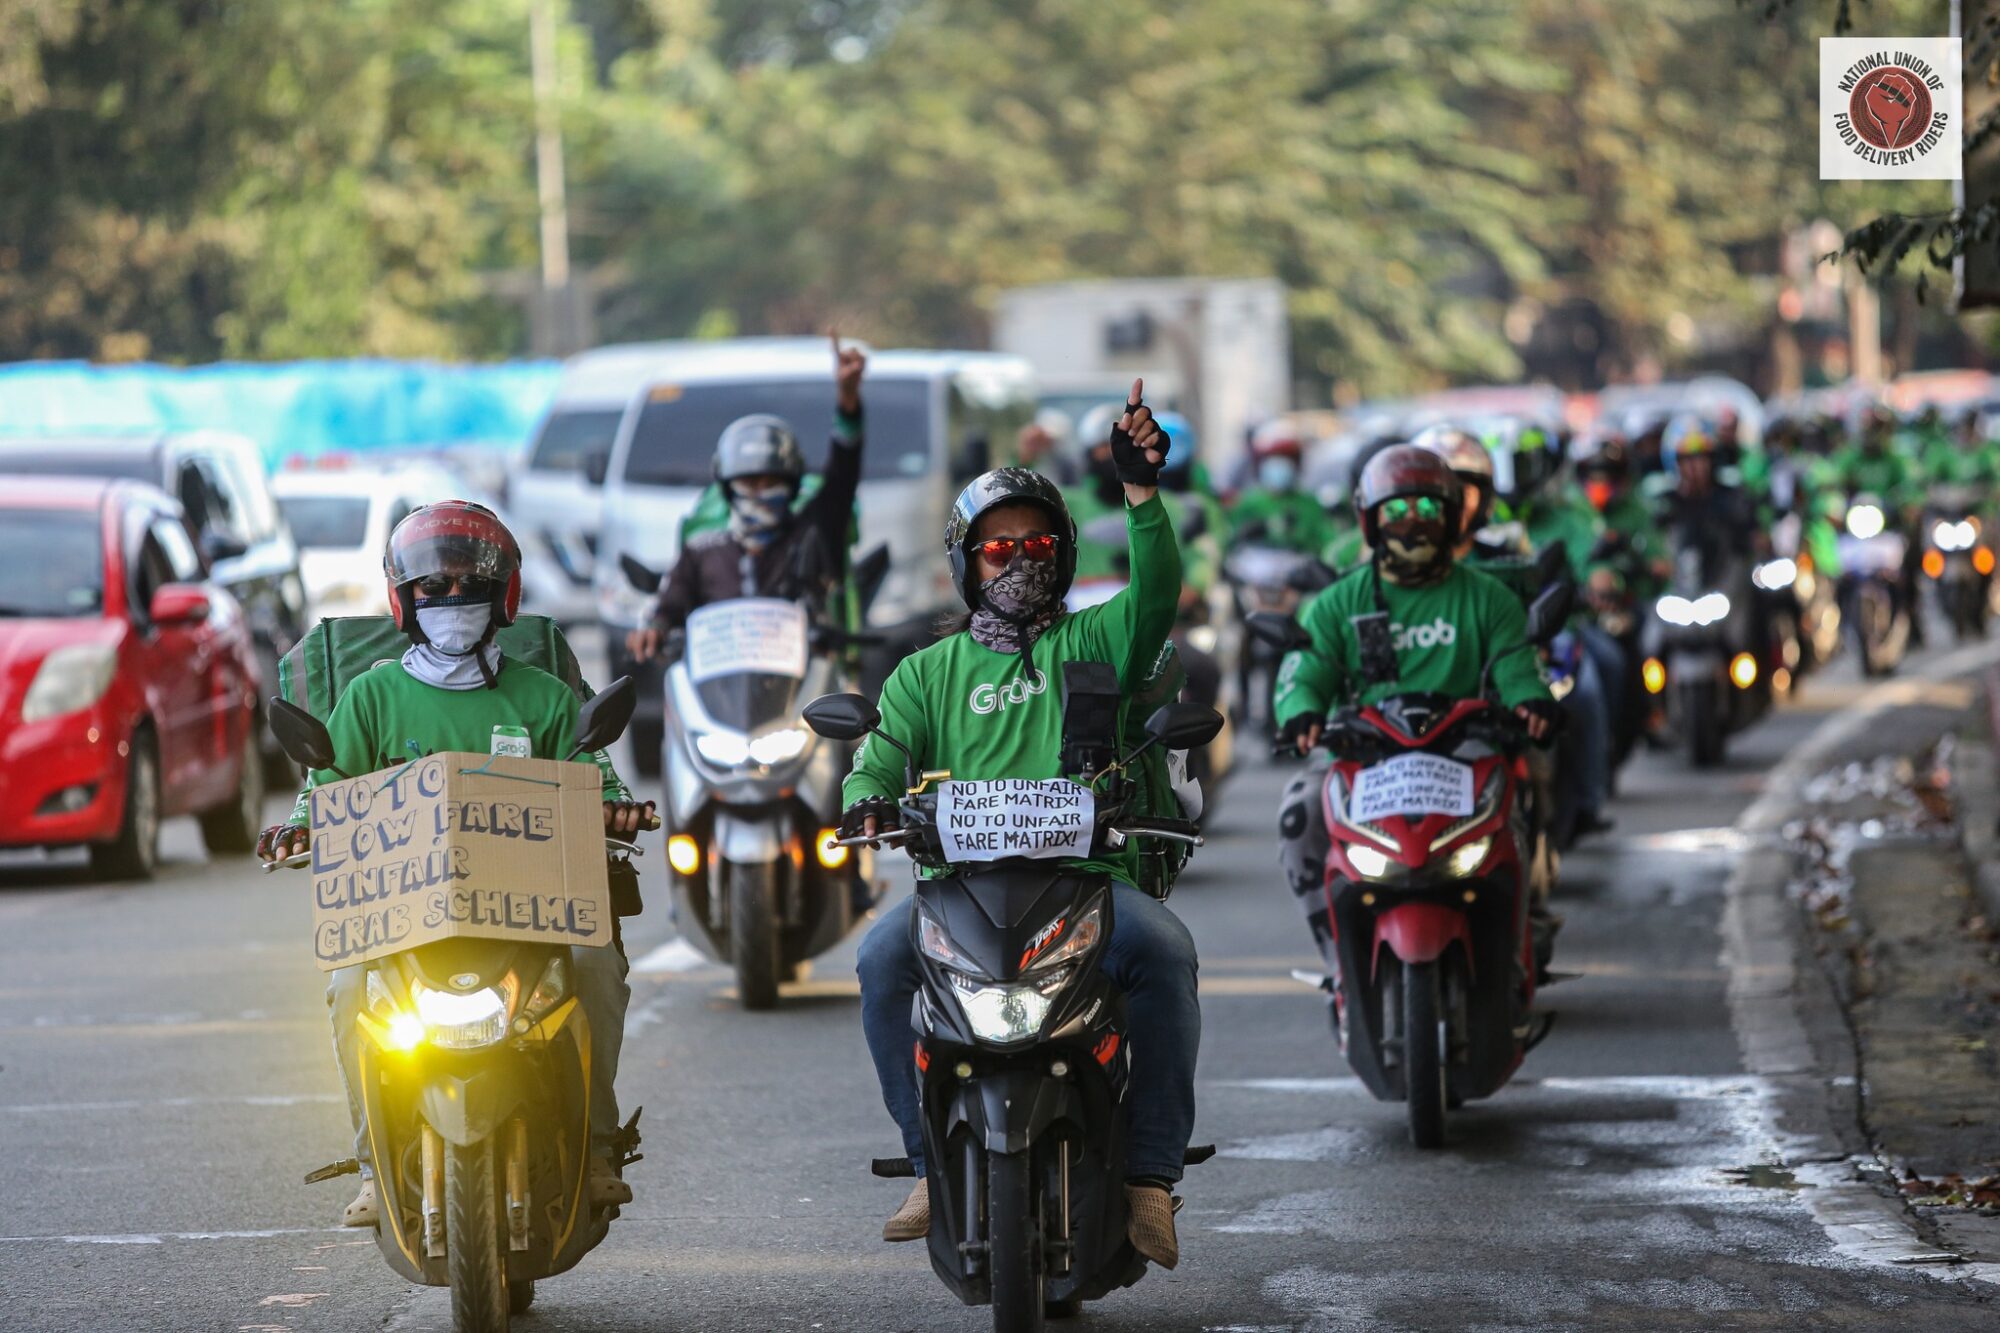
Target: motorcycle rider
{"points": [[770, 547], [454, 574], [1011, 545], [1272, 510], [1446, 620]]}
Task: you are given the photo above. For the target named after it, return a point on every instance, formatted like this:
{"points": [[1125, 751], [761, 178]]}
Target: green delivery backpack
{"points": [[333, 653]]}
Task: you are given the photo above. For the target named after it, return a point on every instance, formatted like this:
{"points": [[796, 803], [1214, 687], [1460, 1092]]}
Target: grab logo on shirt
{"points": [[992, 698], [1440, 633]]}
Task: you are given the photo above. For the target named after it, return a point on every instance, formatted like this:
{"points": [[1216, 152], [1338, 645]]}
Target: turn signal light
{"points": [[1654, 674], [1934, 564], [1743, 670], [683, 854], [1982, 560], [406, 1032], [831, 855]]}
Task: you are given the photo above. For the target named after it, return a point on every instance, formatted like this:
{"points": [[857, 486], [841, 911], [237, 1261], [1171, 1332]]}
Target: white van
{"points": [[935, 420]]}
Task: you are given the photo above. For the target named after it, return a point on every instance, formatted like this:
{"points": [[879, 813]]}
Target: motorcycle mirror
{"points": [[1549, 611], [1276, 630], [641, 576], [842, 717], [603, 719], [1184, 726], [301, 736]]}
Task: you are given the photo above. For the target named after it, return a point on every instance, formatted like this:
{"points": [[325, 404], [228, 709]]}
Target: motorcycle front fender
{"points": [[1008, 1110], [741, 841], [1421, 932], [465, 1108]]}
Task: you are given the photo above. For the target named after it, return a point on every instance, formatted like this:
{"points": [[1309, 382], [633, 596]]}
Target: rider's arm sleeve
{"points": [[352, 728], [1518, 676], [1309, 679], [831, 510], [1141, 616], [681, 593], [878, 766]]}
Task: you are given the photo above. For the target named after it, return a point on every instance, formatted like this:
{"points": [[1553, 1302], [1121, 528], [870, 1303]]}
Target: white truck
{"points": [[1215, 349]]}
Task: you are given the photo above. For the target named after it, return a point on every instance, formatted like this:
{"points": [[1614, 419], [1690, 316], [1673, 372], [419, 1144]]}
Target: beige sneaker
{"points": [[607, 1187], [363, 1212], [1149, 1221], [913, 1220]]}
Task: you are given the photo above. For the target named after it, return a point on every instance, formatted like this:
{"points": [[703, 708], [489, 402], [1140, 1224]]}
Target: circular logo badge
{"points": [[1889, 108]]}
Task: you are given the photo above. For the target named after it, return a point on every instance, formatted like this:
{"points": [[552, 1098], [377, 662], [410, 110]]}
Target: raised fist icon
{"points": [[1891, 101]]}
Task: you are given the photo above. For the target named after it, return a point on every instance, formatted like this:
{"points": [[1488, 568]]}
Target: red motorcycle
{"points": [[1436, 850]]}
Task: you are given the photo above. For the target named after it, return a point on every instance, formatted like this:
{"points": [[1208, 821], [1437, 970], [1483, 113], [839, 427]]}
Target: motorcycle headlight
{"points": [[776, 747], [937, 945], [1004, 1014], [1710, 607], [1675, 610], [1775, 575], [1954, 536], [461, 1022], [1865, 521], [724, 749], [1082, 938], [1367, 862], [70, 678], [1467, 859]]}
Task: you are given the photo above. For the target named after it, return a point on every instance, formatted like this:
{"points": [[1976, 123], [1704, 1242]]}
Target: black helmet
{"points": [[756, 446], [1006, 485], [1406, 470]]}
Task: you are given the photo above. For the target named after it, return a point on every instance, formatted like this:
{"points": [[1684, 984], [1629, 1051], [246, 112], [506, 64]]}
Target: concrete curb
{"points": [[1975, 776], [1785, 1013]]}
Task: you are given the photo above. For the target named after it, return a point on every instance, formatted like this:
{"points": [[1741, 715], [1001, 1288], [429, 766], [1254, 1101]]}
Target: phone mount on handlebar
{"points": [[1091, 699]]}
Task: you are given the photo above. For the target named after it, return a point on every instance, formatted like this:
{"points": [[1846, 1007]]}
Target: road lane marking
{"points": [[162, 1237], [676, 955], [158, 1103]]}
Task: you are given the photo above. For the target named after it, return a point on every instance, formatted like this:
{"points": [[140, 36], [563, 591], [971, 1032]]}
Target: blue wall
{"points": [[305, 408]]}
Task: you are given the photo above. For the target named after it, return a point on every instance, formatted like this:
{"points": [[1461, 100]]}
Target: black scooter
{"points": [[1021, 1055], [473, 1067]]}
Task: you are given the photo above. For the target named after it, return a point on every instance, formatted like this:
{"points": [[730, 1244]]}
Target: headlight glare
{"points": [[725, 749], [1467, 859], [461, 1022], [70, 678], [1775, 575], [776, 747], [1367, 862], [1865, 521], [1001, 1014]]}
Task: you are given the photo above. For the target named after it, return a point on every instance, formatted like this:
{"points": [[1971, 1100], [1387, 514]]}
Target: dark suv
{"points": [[219, 480]]}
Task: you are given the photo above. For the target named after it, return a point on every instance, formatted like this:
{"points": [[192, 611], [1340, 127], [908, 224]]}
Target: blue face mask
{"points": [[1277, 473]]}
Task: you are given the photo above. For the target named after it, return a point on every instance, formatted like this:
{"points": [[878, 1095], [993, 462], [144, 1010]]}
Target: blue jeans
{"points": [[1152, 959], [598, 977]]}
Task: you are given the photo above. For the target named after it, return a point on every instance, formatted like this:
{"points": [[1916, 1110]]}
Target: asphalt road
{"points": [[166, 1080]]}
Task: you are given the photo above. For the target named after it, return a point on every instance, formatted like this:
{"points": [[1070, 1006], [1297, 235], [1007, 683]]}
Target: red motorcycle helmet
{"points": [[1406, 470], [458, 538]]}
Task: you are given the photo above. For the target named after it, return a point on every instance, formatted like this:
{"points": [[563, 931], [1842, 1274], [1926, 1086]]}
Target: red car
{"points": [[128, 682]]}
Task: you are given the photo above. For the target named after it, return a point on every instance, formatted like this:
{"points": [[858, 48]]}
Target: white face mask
{"points": [[455, 630], [1277, 473]]}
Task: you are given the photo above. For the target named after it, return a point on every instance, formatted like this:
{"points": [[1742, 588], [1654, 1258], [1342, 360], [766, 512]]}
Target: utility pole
{"points": [[557, 332]]}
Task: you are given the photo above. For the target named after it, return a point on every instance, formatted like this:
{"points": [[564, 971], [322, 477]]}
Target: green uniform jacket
{"points": [[1571, 522], [1887, 475], [961, 706], [1444, 636], [387, 711], [1290, 521]]}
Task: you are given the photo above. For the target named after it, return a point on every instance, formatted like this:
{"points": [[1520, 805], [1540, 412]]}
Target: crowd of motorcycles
{"points": [[1018, 1035]]}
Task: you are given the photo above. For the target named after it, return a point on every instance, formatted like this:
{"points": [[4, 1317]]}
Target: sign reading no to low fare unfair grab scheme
{"points": [[458, 844], [1890, 108]]}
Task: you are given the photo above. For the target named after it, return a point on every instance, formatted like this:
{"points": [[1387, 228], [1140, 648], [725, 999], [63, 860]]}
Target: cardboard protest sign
{"points": [[746, 634], [1412, 784], [985, 821], [458, 844]]}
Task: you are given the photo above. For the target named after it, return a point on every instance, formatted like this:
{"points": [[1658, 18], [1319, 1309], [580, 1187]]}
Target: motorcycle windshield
{"points": [[749, 701]]}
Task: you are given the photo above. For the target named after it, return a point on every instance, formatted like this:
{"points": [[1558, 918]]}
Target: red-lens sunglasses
{"points": [[1000, 550]]}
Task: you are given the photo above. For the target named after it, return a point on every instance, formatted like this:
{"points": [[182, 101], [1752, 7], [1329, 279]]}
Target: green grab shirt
{"points": [[1288, 520], [386, 709], [1444, 635], [961, 706]]}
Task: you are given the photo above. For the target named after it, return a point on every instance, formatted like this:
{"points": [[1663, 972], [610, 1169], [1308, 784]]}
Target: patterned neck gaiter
{"points": [[1016, 605], [757, 517]]}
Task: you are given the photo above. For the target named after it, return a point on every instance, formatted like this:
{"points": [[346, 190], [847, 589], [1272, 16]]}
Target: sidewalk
{"points": [[1898, 875]]}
